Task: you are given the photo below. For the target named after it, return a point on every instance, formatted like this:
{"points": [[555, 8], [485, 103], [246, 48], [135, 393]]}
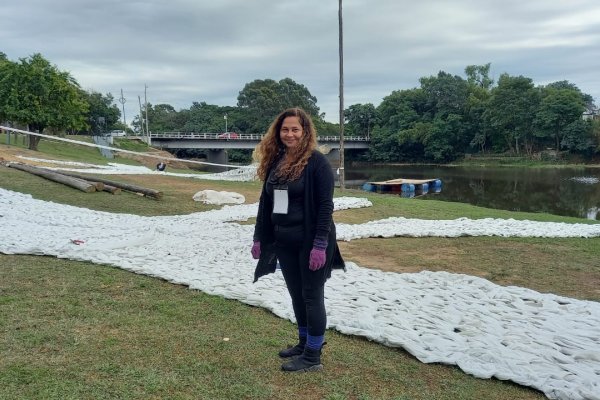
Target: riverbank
{"points": [[561, 191], [488, 162], [483, 257], [430, 314], [157, 330]]}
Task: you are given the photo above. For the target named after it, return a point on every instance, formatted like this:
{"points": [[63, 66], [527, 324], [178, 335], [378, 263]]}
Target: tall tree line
{"points": [[37, 95], [449, 116], [257, 104], [444, 118]]}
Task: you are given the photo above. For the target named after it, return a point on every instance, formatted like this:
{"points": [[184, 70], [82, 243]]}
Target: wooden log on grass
{"points": [[125, 186], [99, 185], [76, 183], [111, 189]]}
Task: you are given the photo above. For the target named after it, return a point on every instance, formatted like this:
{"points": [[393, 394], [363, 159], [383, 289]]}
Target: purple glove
{"points": [[255, 250], [317, 259]]}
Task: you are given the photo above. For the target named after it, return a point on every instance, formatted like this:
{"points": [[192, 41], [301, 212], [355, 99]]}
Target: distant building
{"points": [[590, 114]]}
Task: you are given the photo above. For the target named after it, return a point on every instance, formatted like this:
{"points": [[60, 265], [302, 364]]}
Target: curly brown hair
{"points": [[271, 147]]}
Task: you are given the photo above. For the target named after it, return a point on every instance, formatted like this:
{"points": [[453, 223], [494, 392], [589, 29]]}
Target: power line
{"points": [[59, 139]]}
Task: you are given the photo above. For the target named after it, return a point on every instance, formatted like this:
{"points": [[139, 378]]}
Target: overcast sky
{"points": [[207, 50]]}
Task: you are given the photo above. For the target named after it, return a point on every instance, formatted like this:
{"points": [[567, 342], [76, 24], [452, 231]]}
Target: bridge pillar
{"points": [[217, 156], [334, 157]]}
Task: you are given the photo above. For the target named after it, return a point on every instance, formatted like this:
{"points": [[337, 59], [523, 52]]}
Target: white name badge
{"points": [[280, 201]]}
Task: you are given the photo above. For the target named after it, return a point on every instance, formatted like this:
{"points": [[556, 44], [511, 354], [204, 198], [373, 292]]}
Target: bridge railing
{"points": [[243, 136], [346, 139], [207, 136]]}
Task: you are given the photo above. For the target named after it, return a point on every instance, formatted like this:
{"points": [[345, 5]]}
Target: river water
{"points": [[561, 191]]}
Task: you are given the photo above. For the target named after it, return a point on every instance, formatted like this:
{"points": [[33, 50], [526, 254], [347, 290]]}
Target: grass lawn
{"points": [[76, 330]]}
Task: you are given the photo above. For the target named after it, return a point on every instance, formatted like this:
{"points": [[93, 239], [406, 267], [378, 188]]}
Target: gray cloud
{"points": [[199, 50]]}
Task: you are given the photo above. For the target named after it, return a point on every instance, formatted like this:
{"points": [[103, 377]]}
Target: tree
{"points": [[264, 99], [480, 85], [38, 94], [442, 141], [479, 75], [578, 137], [401, 109], [588, 99], [6, 71], [103, 113], [446, 104], [325, 128], [162, 118], [398, 113], [385, 145], [446, 94], [476, 128], [596, 134], [558, 109], [360, 119], [205, 117], [511, 112], [411, 142]]}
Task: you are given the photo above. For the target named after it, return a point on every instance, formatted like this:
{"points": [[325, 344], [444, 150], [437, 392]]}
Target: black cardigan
{"points": [[318, 221]]}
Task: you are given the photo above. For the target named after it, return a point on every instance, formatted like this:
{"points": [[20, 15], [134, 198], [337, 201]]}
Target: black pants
{"points": [[306, 287]]}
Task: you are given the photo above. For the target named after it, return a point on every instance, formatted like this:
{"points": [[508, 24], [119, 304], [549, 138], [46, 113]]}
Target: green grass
{"points": [[389, 205], [503, 161], [75, 330], [177, 198], [130, 144], [60, 150]]}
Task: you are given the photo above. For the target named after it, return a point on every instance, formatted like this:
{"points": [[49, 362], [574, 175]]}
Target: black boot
{"points": [[294, 351], [310, 360]]}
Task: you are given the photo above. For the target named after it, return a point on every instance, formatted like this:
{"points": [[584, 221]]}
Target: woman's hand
{"points": [[317, 259], [255, 250]]}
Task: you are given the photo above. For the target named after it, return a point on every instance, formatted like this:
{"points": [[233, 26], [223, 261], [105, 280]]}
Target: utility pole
{"points": [[146, 102], [141, 117], [341, 49], [122, 101]]}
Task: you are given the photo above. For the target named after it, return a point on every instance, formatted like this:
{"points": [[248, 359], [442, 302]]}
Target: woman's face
{"points": [[291, 132]]}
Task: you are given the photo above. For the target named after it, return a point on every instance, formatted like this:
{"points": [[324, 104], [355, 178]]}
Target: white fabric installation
{"points": [[218, 197], [241, 174], [545, 341], [410, 227]]}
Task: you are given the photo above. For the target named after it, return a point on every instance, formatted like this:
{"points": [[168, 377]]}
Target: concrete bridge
{"points": [[218, 143]]}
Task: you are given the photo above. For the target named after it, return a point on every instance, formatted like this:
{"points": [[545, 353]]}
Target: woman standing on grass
{"points": [[294, 225]]}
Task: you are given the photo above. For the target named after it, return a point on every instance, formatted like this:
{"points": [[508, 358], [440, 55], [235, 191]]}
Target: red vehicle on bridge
{"points": [[228, 135]]}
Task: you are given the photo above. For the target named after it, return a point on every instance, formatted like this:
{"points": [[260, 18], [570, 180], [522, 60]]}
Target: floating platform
{"points": [[405, 187]]}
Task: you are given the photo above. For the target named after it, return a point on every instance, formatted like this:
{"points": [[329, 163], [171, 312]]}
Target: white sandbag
{"points": [[213, 197]]}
